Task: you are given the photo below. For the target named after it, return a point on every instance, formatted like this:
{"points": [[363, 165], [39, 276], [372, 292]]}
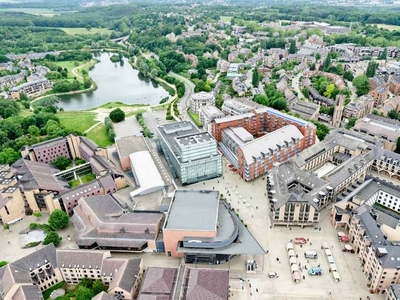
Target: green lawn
{"points": [[120, 104], [77, 120], [195, 118], [84, 178], [69, 65], [225, 18], [388, 27], [74, 31], [33, 11], [46, 294], [99, 136]]}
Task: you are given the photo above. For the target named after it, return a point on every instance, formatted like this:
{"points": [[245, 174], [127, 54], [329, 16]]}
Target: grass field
{"points": [[79, 121], [225, 18], [33, 11], [120, 104], [74, 31], [195, 118], [389, 27], [99, 136]]}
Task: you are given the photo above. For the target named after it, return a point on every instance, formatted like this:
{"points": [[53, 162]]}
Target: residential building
{"points": [[377, 253], [391, 104], [101, 186], [185, 283], [393, 292], [306, 110], [49, 151], [257, 157], [263, 120], [203, 229], [394, 84], [294, 195], [208, 114], [380, 94], [387, 163], [31, 89], [387, 130], [191, 154], [29, 276], [315, 95], [198, 100], [233, 107], [103, 223], [239, 86], [359, 109]]}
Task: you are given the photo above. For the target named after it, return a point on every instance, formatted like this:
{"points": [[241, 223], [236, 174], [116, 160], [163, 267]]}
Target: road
{"points": [[352, 89], [185, 100], [296, 88]]}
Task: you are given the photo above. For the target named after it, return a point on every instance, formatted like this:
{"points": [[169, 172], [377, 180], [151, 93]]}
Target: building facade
{"points": [[192, 154], [201, 99]]}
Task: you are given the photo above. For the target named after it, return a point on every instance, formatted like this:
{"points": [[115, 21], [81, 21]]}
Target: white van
{"points": [[311, 254]]}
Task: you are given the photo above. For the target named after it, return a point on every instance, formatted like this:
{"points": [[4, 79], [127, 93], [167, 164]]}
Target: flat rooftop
{"points": [[193, 139], [193, 210], [129, 144]]}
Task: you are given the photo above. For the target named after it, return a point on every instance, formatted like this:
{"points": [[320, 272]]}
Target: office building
{"points": [[191, 154]]}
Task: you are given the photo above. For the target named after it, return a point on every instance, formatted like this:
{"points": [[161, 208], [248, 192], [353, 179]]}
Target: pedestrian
{"points": [[251, 215], [310, 244], [330, 293], [249, 284], [304, 277], [256, 207], [251, 198], [277, 259], [9, 242]]}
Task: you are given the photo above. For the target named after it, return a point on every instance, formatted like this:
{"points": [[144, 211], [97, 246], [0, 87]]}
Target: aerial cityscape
{"points": [[199, 150]]}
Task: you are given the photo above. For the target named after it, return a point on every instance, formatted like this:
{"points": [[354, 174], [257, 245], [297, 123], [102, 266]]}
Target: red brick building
{"points": [[264, 120], [256, 157]]}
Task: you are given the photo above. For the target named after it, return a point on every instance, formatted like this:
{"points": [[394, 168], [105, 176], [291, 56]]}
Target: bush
{"points": [[52, 237], [58, 219], [3, 263], [117, 115]]}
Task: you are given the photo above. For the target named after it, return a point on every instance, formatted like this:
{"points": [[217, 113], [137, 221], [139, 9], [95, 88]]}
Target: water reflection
{"points": [[117, 82]]}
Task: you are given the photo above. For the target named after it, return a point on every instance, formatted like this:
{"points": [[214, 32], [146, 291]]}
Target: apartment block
{"points": [[33, 88], [232, 107], [28, 277], [387, 130], [198, 100], [359, 109]]}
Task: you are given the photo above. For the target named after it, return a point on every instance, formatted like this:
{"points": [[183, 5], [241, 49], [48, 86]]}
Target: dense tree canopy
{"points": [[361, 83], [117, 115], [58, 219]]}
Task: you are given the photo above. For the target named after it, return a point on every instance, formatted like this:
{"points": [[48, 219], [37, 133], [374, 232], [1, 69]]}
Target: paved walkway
{"points": [[251, 203]]}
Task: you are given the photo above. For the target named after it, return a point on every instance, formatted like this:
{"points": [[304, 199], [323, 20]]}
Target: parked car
{"points": [[300, 240], [273, 275], [315, 271]]}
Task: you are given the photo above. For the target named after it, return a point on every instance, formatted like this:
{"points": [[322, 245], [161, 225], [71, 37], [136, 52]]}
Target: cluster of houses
{"points": [[30, 80]]}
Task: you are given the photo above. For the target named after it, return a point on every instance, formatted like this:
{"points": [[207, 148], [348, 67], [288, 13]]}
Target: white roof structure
{"points": [[146, 173]]}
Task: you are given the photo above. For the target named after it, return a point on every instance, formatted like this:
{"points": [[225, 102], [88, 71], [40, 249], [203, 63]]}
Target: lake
{"points": [[116, 82]]}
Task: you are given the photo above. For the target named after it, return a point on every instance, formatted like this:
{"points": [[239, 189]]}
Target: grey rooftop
{"points": [[193, 210]]}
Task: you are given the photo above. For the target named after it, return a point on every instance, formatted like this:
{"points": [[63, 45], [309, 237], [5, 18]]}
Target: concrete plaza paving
{"points": [[250, 201]]}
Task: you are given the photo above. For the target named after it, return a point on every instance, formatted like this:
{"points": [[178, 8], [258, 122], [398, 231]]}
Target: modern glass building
{"points": [[192, 154]]}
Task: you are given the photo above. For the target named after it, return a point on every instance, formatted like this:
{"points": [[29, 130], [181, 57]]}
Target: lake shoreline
{"points": [[114, 83]]}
